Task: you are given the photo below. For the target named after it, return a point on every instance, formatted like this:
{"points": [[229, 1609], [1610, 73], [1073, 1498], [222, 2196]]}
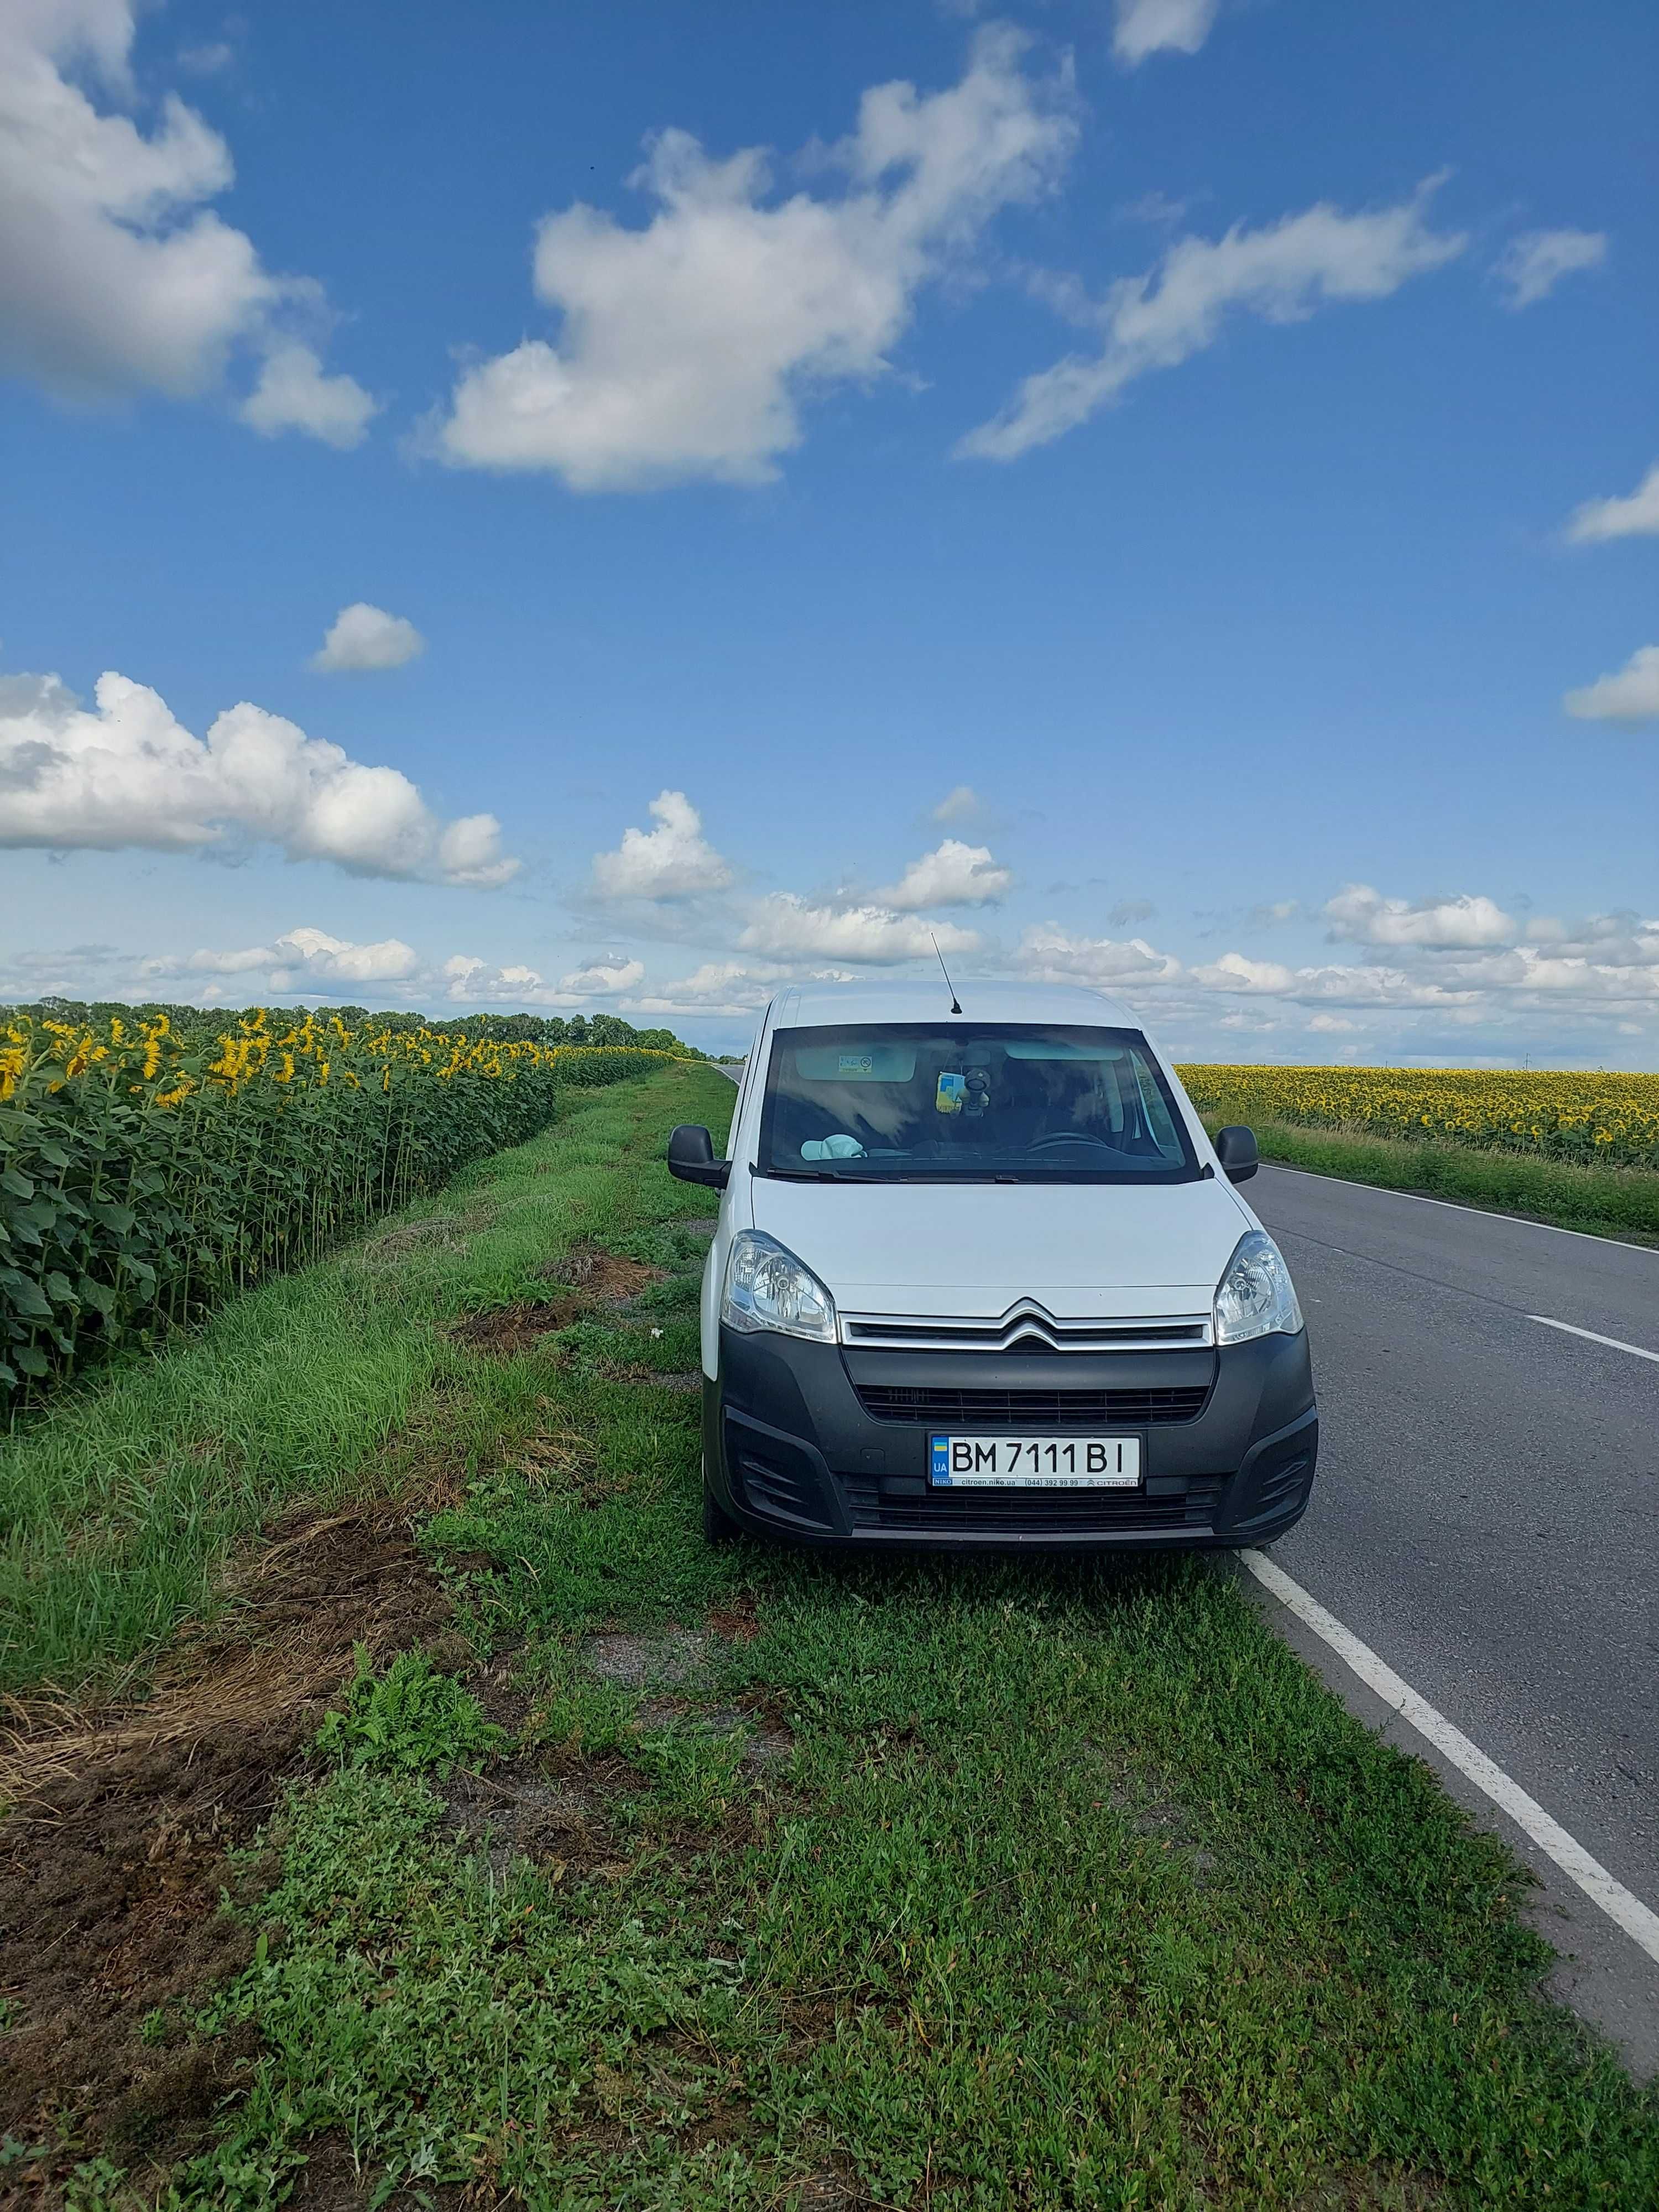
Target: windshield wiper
{"points": [[810, 1175], [890, 1174]]}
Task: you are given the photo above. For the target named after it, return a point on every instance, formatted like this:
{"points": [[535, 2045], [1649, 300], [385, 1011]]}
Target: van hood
{"points": [[963, 1249]]}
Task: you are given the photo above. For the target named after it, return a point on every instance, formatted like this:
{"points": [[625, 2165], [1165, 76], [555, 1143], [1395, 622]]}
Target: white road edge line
{"points": [[1617, 1342], [1619, 1904], [1486, 1212]]}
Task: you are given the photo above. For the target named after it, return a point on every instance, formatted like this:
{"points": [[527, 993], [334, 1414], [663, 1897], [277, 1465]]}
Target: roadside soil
{"points": [[116, 1851], [596, 1281]]}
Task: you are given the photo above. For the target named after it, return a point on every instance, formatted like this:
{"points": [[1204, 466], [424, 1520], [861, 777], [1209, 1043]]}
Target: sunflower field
{"points": [[146, 1172], [1597, 1121]]}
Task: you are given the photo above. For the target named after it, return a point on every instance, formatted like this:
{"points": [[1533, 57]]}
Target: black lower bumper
{"points": [[826, 1446]]}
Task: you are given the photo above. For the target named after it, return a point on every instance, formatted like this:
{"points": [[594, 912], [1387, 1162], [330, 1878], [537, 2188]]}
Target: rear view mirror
{"points": [[1235, 1147], [691, 1157]]}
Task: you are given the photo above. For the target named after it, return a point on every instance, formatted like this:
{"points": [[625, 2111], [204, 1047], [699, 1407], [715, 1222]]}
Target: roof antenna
{"points": [[946, 972]]}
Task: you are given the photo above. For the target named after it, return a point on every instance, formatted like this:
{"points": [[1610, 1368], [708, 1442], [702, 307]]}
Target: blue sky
{"points": [[1157, 494]]}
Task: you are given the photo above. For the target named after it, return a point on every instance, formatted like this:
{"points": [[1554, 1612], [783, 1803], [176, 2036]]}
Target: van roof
{"points": [[813, 1005]]}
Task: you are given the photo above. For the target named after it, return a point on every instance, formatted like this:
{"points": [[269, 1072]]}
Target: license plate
{"points": [[1035, 1462]]}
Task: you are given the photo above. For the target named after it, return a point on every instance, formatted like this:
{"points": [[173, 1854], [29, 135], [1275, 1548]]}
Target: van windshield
{"points": [[1003, 1103]]}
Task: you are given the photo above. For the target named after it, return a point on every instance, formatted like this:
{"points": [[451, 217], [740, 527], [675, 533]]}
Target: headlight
{"points": [[1255, 1296], [767, 1287]]}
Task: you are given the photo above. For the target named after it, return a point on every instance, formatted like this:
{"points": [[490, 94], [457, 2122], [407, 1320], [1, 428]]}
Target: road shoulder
{"points": [[1601, 1974]]}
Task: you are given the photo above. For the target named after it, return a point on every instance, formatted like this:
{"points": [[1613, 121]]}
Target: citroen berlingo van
{"points": [[982, 1280]]}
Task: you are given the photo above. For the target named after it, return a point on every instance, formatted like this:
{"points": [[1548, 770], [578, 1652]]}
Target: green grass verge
{"points": [[119, 1505], [968, 1883], [1620, 1202]]}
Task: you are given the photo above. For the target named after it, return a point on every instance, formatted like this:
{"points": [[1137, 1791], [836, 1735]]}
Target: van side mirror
{"points": [[1235, 1147], [691, 1157]]}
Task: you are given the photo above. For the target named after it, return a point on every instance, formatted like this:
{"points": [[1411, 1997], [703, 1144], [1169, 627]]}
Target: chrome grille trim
{"points": [[1025, 1327]]}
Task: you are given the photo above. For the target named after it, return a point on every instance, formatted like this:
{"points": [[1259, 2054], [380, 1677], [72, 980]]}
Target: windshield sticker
{"points": [[856, 1063], [948, 1095]]}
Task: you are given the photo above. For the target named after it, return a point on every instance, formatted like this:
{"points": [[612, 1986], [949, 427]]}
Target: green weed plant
{"points": [[410, 1719]]}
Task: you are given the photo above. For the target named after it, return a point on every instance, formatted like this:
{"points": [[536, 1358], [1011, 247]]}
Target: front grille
{"points": [[1031, 1409], [1034, 1512], [1025, 1327]]}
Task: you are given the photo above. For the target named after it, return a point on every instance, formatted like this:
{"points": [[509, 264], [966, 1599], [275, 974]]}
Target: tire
{"points": [[718, 1526]]}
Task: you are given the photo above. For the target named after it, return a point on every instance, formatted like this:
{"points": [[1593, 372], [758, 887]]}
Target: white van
{"points": [[981, 1278]]}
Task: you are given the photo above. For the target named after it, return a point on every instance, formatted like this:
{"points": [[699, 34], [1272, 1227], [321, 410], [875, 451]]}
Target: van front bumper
{"points": [[828, 1445]]}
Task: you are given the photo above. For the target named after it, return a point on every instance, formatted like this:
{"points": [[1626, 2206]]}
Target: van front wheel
{"points": [[718, 1526]]}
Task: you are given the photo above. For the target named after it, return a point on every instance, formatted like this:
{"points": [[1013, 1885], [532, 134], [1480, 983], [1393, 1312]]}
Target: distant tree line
{"points": [[531, 1028]]}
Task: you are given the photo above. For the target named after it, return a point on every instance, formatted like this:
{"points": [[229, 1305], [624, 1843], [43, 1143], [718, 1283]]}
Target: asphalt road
{"points": [[1486, 1515]]}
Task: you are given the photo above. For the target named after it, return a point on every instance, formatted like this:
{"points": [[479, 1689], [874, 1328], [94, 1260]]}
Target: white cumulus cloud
{"points": [[1637, 515], [603, 978], [364, 637], [1237, 971], [1281, 272], [719, 987], [293, 392], [116, 274], [204, 963], [463, 975], [1151, 27], [788, 927], [1531, 266], [1630, 695], [674, 861], [1536, 975], [129, 774], [302, 957], [1365, 917], [1612, 940], [686, 348], [313, 960], [337, 960], [1048, 955], [1603, 962], [960, 804], [1234, 972], [952, 874]]}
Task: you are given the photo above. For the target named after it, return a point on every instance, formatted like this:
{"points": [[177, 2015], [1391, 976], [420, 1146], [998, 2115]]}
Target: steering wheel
{"points": [[1071, 1137]]}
